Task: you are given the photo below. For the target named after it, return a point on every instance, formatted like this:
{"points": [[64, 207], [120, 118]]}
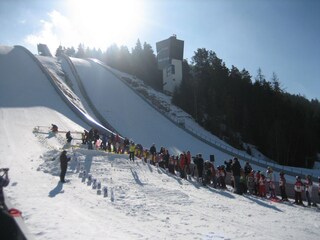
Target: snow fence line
{"points": [[211, 143], [22, 230]]}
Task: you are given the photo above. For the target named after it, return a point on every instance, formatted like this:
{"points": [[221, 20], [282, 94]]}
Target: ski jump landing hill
{"points": [[32, 94], [98, 97]]}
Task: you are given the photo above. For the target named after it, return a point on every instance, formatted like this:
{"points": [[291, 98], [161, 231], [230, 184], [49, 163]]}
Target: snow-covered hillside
{"points": [[148, 203]]}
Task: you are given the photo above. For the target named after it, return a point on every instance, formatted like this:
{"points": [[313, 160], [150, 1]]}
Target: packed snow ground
{"points": [[148, 202]]}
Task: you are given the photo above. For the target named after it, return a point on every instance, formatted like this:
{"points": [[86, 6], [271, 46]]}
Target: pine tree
{"points": [[80, 53]]}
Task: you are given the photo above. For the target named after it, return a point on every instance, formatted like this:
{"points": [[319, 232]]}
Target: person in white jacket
{"points": [[270, 177], [298, 188], [309, 187]]}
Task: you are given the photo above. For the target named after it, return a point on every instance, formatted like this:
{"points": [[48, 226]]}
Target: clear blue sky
{"points": [[281, 36]]}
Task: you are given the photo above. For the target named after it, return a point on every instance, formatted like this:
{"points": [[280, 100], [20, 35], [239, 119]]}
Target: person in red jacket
{"points": [[298, 188], [262, 186], [257, 183]]}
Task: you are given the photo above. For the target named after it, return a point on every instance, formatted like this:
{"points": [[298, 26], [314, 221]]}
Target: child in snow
{"points": [[243, 182], [250, 182], [319, 187], [171, 165], [270, 181], [262, 186], [54, 128], [222, 177], [298, 188], [257, 183], [182, 164], [132, 149], [68, 137], [309, 186], [282, 186]]}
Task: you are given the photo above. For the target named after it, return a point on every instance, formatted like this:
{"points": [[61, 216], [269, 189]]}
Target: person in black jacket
{"points": [[153, 152], [63, 165], [236, 171], [4, 181], [199, 162], [9, 228], [247, 168], [54, 128], [68, 137], [228, 165]]}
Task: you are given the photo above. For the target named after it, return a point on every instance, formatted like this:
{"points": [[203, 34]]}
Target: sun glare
{"points": [[102, 22]]}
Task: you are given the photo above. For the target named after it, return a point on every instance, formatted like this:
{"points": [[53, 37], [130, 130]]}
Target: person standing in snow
{"points": [[171, 165], [199, 162], [126, 145], [104, 141], [208, 174], [4, 181], [243, 182], [236, 171], [247, 168], [68, 137], [90, 139], [308, 187], [262, 186], [84, 137], [257, 182], [63, 165], [54, 128], [182, 165], [188, 162], [282, 186], [271, 180], [298, 188], [250, 182], [200, 166], [166, 157], [153, 152], [228, 165], [132, 150], [319, 187], [222, 176]]}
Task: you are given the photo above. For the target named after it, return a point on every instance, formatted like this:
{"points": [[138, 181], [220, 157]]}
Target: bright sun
{"points": [[102, 22]]}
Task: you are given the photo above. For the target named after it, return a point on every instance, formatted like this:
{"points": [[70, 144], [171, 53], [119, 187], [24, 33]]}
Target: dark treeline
{"points": [[228, 102]]}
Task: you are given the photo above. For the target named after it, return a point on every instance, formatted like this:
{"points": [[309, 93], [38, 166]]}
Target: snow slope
{"points": [[132, 116], [148, 203]]}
